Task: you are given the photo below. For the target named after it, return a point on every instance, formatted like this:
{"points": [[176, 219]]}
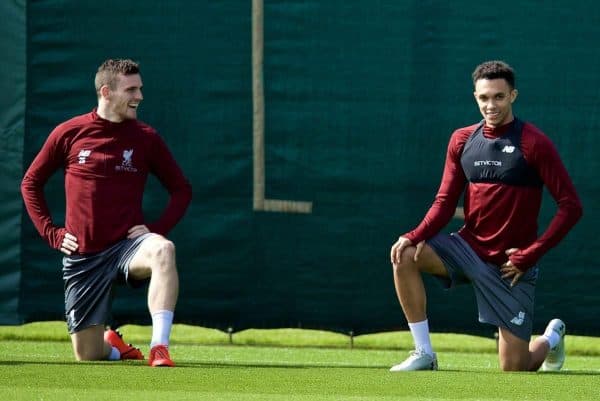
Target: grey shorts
{"points": [[497, 302], [88, 281]]}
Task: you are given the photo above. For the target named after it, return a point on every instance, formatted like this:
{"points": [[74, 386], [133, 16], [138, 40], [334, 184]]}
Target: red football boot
{"points": [[128, 351], [159, 356]]}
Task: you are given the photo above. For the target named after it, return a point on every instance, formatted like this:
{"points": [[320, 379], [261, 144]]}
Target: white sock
{"points": [[420, 334], [114, 355], [162, 321], [552, 337]]}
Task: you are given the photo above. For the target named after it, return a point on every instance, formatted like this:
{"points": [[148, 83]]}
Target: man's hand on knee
{"points": [[399, 247], [136, 231]]}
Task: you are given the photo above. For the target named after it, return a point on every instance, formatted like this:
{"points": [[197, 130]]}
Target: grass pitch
{"points": [[36, 369]]}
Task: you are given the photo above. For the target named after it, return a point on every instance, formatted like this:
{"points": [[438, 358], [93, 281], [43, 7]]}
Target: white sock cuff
{"points": [[422, 325], [165, 314], [420, 334], [162, 321], [114, 355]]}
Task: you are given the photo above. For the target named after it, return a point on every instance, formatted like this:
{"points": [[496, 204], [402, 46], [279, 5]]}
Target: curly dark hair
{"points": [[110, 69], [495, 69]]}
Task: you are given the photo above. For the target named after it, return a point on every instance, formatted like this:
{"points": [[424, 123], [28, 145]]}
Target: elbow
{"points": [[579, 211], [188, 192], [25, 185], [182, 192], [576, 210]]}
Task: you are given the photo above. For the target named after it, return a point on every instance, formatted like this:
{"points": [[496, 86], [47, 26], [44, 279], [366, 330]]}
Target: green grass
{"points": [[296, 365]]}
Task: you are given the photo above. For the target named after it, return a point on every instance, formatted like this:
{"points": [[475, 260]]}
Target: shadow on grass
{"points": [[221, 365], [70, 363], [498, 371], [236, 365], [187, 365]]}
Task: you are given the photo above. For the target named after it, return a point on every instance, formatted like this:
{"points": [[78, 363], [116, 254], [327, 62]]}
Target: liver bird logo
{"points": [[127, 155]]}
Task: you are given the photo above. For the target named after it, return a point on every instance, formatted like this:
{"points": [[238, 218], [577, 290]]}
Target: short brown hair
{"points": [[110, 69], [495, 69]]}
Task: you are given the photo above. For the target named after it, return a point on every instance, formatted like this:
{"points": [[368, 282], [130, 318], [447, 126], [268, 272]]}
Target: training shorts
{"points": [[498, 303], [88, 281]]}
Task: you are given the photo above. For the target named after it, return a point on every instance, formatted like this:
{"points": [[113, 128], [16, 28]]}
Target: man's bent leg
{"points": [[411, 294], [89, 345], [156, 259], [516, 354], [409, 283]]}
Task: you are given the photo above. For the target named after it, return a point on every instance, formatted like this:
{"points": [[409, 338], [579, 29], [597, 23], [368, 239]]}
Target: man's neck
{"points": [[497, 131], [103, 112]]}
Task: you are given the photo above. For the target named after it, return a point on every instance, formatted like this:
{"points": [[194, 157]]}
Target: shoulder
{"points": [[460, 136], [536, 146], [65, 132], [532, 131], [75, 122], [465, 132], [533, 139]]}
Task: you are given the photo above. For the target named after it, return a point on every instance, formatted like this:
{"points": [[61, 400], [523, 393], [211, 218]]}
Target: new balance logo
{"points": [[508, 149], [518, 320], [83, 155], [71, 317]]}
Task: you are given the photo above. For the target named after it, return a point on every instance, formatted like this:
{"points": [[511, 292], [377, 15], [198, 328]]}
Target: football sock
{"points": [[552, 337], [420, 334], [162, 321], [114, 355]]}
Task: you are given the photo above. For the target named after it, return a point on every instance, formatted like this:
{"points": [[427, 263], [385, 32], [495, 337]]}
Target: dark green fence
{"points": [[312, 140]]}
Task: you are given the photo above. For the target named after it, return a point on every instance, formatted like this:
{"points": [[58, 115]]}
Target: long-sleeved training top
{"points": [[502, 172], [106, 165]]}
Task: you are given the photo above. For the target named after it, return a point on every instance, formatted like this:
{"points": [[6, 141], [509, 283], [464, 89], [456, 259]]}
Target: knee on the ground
{"points": [[514, 364], [87, 354]]}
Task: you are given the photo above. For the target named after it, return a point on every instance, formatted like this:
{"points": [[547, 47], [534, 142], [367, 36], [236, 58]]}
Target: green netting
{"points": [[12, 108], [360, 99]]}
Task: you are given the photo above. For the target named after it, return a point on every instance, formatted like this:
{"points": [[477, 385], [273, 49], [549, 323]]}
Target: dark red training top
{"points": [[500, 216], [106, 165]]}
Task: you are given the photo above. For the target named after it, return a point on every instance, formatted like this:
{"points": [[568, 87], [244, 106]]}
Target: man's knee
{"points": [[513, 352], [86, 354], [514, 363], [407, 263], [427, 262], [162, 256], [162, 259], [88, 345], [164, 250]]}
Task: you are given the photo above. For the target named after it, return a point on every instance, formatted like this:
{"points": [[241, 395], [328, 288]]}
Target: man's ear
{"points": [[513, 95], [104, 91]]}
